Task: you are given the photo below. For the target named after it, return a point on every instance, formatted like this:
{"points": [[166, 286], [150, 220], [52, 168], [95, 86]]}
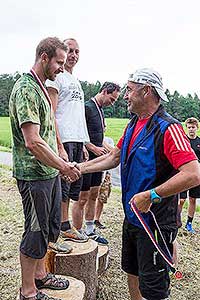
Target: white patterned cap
{"points": [[150, 77]]}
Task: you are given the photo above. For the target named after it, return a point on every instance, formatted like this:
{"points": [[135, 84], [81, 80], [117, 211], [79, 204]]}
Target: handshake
{"points": [[71, 172]]}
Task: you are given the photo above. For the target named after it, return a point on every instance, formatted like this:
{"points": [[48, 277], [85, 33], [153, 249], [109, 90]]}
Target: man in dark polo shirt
{"points": [[107, 95]]}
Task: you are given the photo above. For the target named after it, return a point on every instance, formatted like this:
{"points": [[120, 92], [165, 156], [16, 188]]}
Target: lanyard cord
{"points": [[42, 87], [168, 257], [100, 113]]}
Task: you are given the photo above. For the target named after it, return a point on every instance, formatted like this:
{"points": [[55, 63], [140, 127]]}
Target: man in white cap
{"points": [[157, 162]]}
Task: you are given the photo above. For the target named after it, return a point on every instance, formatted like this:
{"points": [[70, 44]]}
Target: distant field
{"points": [[5, 132], [114, 130]]}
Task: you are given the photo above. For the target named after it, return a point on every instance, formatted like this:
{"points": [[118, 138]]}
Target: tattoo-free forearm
{"points": [[104, 162]]}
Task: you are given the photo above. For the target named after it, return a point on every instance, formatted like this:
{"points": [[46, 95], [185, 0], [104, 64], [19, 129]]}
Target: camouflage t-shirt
{"points": [[29, 104]]}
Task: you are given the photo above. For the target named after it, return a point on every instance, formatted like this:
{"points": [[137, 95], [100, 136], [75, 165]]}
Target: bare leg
{"points": [[192, 207], [91, 203], [98, 210], [28, 268], [40, 271], [65, 211], [133, 285], [180, 205], [78, 209]]}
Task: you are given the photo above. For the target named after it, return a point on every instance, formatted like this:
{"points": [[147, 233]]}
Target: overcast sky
{"points": [[115, 37]]}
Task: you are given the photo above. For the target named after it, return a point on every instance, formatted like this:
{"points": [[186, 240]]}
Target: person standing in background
{"points": [[106, 96], [192, 125], [68, 104]]}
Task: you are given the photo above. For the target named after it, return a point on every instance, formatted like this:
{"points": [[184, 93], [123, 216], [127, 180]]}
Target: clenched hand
{"points": [[142, 201]]}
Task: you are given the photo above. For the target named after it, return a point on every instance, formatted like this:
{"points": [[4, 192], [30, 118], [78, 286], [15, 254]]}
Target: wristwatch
{"points": [[154, 197]]}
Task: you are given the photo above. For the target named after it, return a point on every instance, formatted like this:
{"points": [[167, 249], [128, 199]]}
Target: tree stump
{"points": [[81, 263], [75, 291], [103, 259], [50, 261]]}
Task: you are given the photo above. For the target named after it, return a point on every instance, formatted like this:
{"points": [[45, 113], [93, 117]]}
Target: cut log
{"points": [[75, 291], [103, 259], [50, 261], [81, 263]]}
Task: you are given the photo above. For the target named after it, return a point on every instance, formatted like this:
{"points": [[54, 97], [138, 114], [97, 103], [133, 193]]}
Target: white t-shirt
{"points": [[70, 112]]}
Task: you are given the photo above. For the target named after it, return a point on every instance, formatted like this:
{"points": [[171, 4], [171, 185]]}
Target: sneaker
{"points": [[74, 235], [189, 228], [99, 224], [96, 237], [61, 247]]}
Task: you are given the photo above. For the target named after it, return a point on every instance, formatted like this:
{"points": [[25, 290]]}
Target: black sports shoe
{"points": [[99, 224]]}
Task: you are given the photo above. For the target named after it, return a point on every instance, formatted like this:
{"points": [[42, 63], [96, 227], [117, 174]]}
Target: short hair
{"points": [[192, 121], [70, 39], [110, 87], [49, 46]]}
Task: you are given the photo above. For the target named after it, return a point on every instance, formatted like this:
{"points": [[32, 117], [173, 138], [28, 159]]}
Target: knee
{"points": [[81, 202], [181, 202], [192, 201], [93, 195]]}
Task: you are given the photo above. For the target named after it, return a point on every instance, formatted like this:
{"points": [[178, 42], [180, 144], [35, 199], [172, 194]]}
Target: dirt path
{"points": [[112, 286]]}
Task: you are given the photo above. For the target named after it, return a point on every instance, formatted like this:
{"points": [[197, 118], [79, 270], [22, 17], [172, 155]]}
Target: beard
{"points": [[48, 73]]}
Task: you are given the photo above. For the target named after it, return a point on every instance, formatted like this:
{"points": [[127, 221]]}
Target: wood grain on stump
{"points": [[103, 259], [81, 263], [75, 291], [50, 261]]}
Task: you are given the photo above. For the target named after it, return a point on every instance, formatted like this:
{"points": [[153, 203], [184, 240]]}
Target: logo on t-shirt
{"points": [[76, 93]]}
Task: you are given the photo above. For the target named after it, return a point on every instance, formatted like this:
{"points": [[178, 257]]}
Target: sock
{"points": [[65, 226], [189, 220], [89, 226]]}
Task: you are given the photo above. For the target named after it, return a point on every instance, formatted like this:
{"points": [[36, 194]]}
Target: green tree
{"points": [[6, 83]]}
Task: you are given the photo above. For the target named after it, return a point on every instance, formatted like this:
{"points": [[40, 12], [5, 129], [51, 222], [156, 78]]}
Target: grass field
{"points": [[5, 132], [115, 128]]}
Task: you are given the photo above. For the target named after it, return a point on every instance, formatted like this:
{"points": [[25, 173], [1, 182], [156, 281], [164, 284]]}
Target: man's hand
{"points": [[62, 153], [98, 151], [85, 154], [142, 201], [71, 172]]}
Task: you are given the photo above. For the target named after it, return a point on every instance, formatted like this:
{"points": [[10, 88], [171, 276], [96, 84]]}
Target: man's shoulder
{"points": [[90, 103], [25, 81], [25, 85], [166, 117]]}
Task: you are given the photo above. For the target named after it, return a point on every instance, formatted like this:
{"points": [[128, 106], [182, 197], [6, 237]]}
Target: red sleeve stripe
{"points": [[178, 138]]}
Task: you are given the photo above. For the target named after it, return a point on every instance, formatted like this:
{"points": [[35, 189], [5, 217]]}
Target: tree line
{"points": [[178, 106]]}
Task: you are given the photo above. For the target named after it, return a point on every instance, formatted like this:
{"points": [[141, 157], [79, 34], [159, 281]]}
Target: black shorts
{"points": [[140, 258], [41, 200], [72, 190], [91, 180], [193, 192]]}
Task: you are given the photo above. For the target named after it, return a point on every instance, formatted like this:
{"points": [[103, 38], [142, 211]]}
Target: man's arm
{"points": [[187, 177], [53, 93], [101, 163], [41, 150]]}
